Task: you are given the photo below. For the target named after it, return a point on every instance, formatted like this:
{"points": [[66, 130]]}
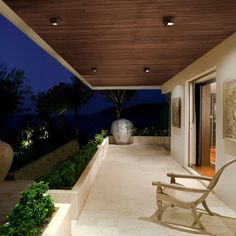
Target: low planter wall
{"points": [[160, 140], [45, 164], [60, 225], [78, 195]]}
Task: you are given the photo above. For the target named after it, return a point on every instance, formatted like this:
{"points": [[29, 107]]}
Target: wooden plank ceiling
{"points": [[121, 37]]}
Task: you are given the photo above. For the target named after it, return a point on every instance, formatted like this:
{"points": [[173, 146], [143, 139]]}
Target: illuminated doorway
{"points": [[204, 104]]}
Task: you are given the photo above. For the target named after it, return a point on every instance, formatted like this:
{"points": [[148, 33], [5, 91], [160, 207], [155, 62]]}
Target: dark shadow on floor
{"points": [[181, 220]]}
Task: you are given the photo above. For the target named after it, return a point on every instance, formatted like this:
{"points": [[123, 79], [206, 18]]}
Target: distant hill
{"points": [[147, 109], [144, 115]]}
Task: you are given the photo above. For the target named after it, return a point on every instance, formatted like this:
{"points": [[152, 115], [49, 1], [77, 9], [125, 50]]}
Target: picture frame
{"points": [[229, 110], [176, 112]]}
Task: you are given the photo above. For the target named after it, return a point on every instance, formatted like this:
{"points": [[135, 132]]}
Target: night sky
{"points": [[43, 71]]}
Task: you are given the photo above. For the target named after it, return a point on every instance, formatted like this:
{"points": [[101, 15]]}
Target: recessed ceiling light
{"points": [[146, 69], [168, 20], [55, 21], [94, 69]]}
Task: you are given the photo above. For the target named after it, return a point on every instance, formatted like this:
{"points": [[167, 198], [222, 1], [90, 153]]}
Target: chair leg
{"points": [[196, 218], [207, 208], [160, 210]]}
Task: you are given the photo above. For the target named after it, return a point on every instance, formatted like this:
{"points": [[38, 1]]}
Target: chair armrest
{"points": [[173, 175], [179, 187]]}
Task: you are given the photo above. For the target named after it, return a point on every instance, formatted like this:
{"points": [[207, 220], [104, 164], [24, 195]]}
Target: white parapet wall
{"points": [[78, 194], [60, 225], [159, 140]]}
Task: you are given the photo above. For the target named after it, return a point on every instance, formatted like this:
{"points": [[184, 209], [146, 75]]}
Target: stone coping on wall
{"points": [[60, 224], [160, 140], [45, 164]]}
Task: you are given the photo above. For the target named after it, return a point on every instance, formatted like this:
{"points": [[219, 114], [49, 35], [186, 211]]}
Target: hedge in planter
{"points": [[31, 214], [67, 172]]}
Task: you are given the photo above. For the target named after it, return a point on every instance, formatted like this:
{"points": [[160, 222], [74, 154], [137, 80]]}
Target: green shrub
{"points": [[98, 138], [66, 173], [31, 214], [152, 131]]}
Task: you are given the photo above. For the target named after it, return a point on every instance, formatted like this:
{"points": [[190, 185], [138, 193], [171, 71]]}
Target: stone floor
{"points": [[122, 201], [10, 194]]}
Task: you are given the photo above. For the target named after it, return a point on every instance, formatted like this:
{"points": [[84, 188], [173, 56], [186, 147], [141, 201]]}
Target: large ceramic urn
{"points": [[122, 130], [6, 157]]}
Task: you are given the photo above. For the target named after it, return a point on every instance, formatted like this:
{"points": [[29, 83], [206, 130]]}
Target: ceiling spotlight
{"points": [[94, 69], [168, 20], [146, 69], [55, 21]]}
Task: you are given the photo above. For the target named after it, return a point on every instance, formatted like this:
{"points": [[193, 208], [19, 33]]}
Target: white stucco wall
{"points": [[225, 150], [223, 59], [177, 134]]}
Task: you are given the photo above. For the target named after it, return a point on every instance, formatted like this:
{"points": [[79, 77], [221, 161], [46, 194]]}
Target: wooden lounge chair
{"points": [[175, 194]]}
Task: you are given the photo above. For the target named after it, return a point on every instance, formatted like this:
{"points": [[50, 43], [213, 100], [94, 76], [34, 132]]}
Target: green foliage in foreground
{"points": [[67, 172], [35, 208], [31, 214]]}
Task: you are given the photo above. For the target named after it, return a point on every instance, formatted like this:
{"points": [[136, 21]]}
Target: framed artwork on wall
{"points": [[176, 112], [229, 110]]}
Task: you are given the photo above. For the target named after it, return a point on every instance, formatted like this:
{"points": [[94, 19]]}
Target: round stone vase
{"points": [[6, 157], [122, 130]]}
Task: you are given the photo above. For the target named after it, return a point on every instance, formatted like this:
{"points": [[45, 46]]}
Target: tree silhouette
{"points": [[43, 107], [61, 98], [55, 100], [78, 96], [119, 98], [12, 91]]}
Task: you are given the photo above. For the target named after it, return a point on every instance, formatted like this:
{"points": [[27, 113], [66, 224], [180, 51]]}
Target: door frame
{"points": [[191, 114], [203, 121]]}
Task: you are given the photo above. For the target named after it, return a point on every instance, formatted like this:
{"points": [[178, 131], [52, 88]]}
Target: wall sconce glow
{"points": [[146, 69], [168, 20], [55, 21]]}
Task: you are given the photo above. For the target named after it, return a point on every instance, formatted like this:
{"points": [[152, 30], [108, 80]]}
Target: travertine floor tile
{"points": [[122, 200]]}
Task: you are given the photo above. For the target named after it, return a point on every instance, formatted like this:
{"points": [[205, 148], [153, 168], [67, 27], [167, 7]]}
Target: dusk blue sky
{"points": [[43, 71]]}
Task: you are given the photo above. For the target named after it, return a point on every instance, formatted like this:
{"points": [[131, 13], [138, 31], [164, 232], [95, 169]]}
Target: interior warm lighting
{"points": [[55, 21], [147, 69], [168, 20], [94, 69]]}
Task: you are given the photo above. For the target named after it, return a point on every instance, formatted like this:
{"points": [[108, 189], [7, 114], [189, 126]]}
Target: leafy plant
{"points": [[104, 133], [26, 138], [152, 131], [67, 172], [119, 98], [99, 137], [31, 214]]}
